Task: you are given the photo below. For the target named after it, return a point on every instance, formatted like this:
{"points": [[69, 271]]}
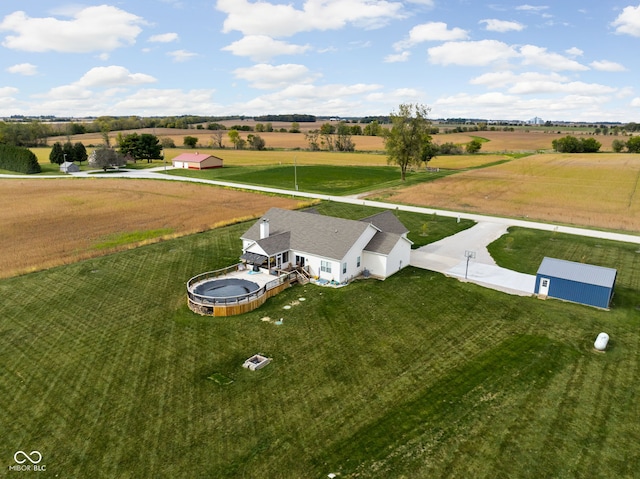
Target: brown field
{"points": [[519, 140], [499, 141], [54, 222], [594, 190], [206, 138]]}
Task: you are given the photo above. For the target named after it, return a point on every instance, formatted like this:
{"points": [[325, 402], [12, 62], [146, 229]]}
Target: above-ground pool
{"points": [[233, 290], [225, 288]]}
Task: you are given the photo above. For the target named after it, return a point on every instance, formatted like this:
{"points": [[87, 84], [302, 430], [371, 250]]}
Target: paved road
{"points": [[445, 256]]}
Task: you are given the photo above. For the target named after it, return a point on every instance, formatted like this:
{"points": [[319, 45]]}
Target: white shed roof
{"points": [[579, 272]]}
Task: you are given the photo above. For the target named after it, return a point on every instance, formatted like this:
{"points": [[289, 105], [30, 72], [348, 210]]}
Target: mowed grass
{"points": [[523, 250], [106, 373], [336, 180], [594, 190]]}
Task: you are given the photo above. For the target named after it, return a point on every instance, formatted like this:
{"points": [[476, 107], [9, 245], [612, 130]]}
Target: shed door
{"points": [[544, 286]]}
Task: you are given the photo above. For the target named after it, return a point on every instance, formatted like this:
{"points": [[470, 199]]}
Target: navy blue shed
{"points": [[577, 282]]}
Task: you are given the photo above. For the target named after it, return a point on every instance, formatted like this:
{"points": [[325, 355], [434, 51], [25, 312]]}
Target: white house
{"points": [[329, 248]]}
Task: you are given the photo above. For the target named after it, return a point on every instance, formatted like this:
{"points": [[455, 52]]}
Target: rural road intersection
{"points": [[447, 256]]}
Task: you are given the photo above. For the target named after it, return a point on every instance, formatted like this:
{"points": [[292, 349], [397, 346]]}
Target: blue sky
{"points": [[562, 60]]}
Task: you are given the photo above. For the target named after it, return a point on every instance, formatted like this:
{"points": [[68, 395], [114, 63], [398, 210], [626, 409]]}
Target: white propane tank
{"points": [[601, 342]]}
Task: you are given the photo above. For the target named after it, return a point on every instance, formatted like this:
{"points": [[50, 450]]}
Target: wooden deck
{"points": [[270, 285]]}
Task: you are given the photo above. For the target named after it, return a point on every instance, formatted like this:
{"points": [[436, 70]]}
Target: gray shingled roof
{"points": [[387, 222], [383, 243], [579, 272], [311, 233], [274, 244]]}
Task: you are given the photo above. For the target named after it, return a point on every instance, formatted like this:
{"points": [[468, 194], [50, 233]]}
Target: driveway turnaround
{"points": [[465, 256]]}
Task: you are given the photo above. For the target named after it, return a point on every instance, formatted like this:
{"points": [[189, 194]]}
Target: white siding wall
{"points": [[351, 258], [375, 263], [384, 266], [399, 257]]}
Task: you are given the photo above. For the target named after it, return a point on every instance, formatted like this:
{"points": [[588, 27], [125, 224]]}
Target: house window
{"points": [[344, 268], [358, 265], [325, 266]]}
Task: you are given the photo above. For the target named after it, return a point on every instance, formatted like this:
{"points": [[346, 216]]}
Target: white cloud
{"points": [[538, 56], [431, 32], [628, 22], [7, 91], [68, 92], [427, 3], [503, 79], [74, 100], [502, 26], [574, 52], [113, 76], [480, 53], [334, 99], [607, 66], [26, 69], [531, 83], [261, 48], [269, 77], [263, 18], [397, 58], [101, 28], [494, 106], [168, 102], [164, 38], [635, 102], [532, 8], [181, 55]]}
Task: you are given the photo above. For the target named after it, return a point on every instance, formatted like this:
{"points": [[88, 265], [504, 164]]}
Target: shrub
{"points": [[19, 159]]}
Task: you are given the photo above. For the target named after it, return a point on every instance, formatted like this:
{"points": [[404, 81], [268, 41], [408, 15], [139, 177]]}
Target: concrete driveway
{"points": [[447, 256]]}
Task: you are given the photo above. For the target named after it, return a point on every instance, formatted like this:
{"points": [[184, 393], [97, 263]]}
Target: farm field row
{"points": [[596, 190], [58, 221], [416, 376], [499, 141]]}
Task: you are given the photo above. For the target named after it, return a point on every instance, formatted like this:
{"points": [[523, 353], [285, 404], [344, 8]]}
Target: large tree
{"points": [[56, 156], [141, 147], [79, 152], [633, 144], [105, 157], [408, 137]]}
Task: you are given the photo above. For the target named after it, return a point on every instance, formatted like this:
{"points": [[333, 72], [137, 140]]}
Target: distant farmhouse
{"points": [[196, 161], [328, 248]]}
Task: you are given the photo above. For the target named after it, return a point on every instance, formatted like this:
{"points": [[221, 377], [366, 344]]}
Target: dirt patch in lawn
{"points": [[52, 222]]}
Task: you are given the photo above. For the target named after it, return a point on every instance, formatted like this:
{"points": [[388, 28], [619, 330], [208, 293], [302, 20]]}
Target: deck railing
{"points": [[208, 301]]}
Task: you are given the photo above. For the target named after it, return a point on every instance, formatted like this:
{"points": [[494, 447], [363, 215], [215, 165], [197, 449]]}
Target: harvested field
{"points": [[595, 190], [519, 140], [54, 222], [206, 138]]}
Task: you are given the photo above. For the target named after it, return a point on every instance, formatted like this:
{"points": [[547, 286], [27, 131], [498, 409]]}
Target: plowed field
{"points": [[594, 190], [53, 222]]}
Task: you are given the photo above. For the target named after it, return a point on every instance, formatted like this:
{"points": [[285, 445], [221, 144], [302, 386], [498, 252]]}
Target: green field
{"points": [[324, 179], [108, 374]]}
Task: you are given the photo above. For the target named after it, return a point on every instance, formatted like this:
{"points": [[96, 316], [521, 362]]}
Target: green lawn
{"points": [[107, 373], [324, 179]]}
